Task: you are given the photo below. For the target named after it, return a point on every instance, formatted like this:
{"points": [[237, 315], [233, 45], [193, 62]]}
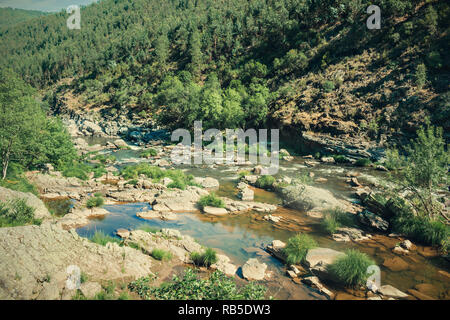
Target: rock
{"points": [[355, 183], [444, 274], [272, 218], [350, 234], [327, 159], [395, 264], [223, 264], [408, 245], [120, 143], [321, 180], [246, 194], [305, 198], [428, 289], [91, 128], [374, 298], [207, 183], [325, 255], [399, 250], [251, 179], [90, 289], [372, 220], [153, 214], [36, 252], [277, 244], [390, 291], [166, 181], [215, 211], [123, 233], [381, 168], [40, 210], [419, 295], [291, 274], [254, 270], [50, 291], [314, 282]]}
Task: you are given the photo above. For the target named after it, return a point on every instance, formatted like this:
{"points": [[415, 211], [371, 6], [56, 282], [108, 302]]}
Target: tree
{"points": [[21, 119], [195, 53], [425, 168]]}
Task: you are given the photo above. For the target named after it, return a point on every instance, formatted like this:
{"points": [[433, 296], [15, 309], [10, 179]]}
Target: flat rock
{"points": [[215, 211], [40, 210], [123, 233], [390, 291], [395, 264], [254, 270], [324, 255]]}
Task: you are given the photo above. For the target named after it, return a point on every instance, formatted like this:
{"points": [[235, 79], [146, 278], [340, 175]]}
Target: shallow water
{"points": [[243, 236]]}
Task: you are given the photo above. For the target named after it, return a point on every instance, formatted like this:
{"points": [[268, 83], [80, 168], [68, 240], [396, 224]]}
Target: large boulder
{"points": [[40, 210], [305, 198], [324, 255], [254, 270]]}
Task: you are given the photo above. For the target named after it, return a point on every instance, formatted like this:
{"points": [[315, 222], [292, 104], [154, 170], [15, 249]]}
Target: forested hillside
{"points": [[10, 16], [303, 64]]}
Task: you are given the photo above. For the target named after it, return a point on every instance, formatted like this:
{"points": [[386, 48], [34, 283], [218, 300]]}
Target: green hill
{"points": [[296, 64], [10, 16]]}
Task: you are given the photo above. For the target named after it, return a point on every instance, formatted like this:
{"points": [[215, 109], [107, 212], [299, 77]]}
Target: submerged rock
{"points": [[390, 291], [372, 220], [324, 255]]}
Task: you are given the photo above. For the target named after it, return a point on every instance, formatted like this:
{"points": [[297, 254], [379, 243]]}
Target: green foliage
{"points": [[206, 258], [160, 254], [336, 218], [211, 200], [394, 161], [339, 158], [265, 182], [243, 173], [420, 75], [96, 201], [101, 238], [148, 153], [16, 213], [190, 287], [351, 269], [328, 86], [76, 169], [363, 162], [297, 248], [180, 180]]}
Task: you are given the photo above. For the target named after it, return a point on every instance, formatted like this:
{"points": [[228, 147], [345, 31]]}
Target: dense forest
{"points": [[10, 16], [313, 65]]}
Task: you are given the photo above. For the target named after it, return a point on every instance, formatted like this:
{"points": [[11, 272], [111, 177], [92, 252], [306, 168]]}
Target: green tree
{"points": [[21, 120]]}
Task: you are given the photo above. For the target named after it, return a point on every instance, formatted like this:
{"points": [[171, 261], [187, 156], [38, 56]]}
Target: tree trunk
{"points": [[5, 161]]}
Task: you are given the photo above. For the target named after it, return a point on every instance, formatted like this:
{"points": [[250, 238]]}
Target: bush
{"points": [[363, 162], [244, 173], [77, 170], [16, 213], [190, 287], [420, 75], [160, 254], [351, 269], [211, 200], [297, 247], [96, 201], [330, 224], [328, 86], [205, 259], [148, 153], [339, 158], [265, 182], [101, 238]]}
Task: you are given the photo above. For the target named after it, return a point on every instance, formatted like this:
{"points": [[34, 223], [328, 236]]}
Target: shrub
{"points": [[243, 173], [297, 247], [211, 200], [351, 269], [190, 287], [335, 218], [77, 170], [339, 158], [329, 224], [328, 86], [101, 238], [206, 259], [420, 75], [148, 153], [16, 213], [96, 201], [265, 182], [363, 162], [160, 254], [99, 171]]}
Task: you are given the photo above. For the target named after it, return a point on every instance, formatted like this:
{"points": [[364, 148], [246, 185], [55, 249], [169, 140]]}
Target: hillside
{"points": [[10, 16], [310, 66]]}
